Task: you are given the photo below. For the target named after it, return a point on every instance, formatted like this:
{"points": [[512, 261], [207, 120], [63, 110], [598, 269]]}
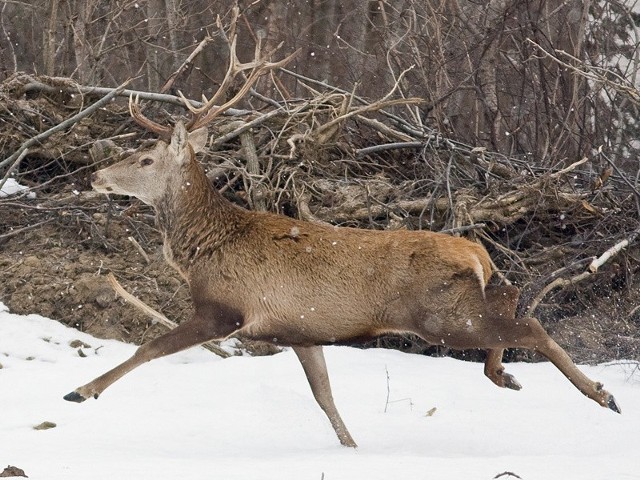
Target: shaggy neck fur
{"points": [[195, 219]]}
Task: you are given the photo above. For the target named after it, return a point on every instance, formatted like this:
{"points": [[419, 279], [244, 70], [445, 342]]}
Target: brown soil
{"points": [[59, 269]]}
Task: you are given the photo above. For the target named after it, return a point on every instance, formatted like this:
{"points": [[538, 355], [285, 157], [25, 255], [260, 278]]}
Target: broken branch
{"points": [[136, 302]]}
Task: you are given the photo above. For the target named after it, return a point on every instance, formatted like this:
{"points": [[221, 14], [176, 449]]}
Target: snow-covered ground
{"points": [[195, 416], [11, 187]]}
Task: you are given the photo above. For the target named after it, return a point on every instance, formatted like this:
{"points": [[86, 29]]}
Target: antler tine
{"points": [[189, 106], [234, 68], [259, 69], [258, 66], [140, 119]]}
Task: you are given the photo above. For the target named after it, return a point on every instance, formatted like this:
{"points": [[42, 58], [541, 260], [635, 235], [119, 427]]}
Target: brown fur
{"points": [[273, 278]]}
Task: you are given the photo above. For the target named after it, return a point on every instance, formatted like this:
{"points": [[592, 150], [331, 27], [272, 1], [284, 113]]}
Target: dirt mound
{"points": [[58, 270]]}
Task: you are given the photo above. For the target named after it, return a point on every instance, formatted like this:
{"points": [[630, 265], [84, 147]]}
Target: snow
{"points": [[11, 187], [194, 415]]}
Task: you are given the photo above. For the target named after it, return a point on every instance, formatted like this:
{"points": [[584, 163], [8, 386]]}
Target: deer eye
{"points": [[145, 162]]}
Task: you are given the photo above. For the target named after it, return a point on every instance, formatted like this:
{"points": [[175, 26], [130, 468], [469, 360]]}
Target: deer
{"points": [[264, 276]]}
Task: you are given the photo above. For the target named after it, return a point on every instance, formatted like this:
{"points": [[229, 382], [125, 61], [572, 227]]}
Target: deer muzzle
{"points": [[98, 183]]}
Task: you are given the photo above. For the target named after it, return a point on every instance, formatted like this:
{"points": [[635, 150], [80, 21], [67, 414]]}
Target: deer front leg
{"points": [[315, 368], [193, 332]]}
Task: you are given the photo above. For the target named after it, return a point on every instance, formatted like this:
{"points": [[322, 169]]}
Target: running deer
{"points": [[262, 276]]}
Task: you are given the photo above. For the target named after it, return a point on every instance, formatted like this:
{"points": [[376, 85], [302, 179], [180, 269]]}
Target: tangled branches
{"points": [[338, 158]]}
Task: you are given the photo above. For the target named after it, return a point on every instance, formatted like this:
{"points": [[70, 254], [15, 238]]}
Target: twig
{"points": [[18, 231], [510, 474], [65, 124], [567, 169], [136, 302], [140, 249], [386, 403], [186, 64], [621, 174], [593, 267], [150, 96]]}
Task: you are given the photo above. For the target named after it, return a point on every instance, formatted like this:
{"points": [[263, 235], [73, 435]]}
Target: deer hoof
{"points": [[613, 405], [74, 397], [511, 382]]}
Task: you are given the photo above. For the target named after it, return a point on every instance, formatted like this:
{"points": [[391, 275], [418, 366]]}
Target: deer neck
{"points": [[195, 219]]}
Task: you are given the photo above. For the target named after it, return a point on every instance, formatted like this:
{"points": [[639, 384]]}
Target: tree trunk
{"points": [[155, 25]]}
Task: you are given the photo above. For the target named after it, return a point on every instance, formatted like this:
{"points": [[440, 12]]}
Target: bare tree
{"points": [[484, 82]]}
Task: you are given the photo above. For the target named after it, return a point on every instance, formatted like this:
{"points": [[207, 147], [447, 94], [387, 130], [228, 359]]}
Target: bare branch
{"points": [[592, 72], [136, 302], [186, 64], [593, 267], [66, 124], [35, 86]]}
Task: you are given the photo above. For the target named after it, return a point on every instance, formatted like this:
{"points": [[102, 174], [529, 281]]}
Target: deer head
{"points": [[148, 174], [151, 173]]}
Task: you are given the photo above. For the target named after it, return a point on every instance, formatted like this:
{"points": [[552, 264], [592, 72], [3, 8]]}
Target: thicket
{"points": [[511, 122]]}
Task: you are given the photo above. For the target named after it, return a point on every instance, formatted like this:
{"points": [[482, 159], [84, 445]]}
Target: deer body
{"points": [[283, 278], [322, 285], [268, 277]]}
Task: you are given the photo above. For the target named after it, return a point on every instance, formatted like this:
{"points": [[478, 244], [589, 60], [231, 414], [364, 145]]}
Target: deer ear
{"points": [[198, 139], [179, 142]]}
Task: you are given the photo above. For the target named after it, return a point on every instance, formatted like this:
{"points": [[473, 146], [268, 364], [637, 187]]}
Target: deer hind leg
{"points": [[507, 331], [494, 370], [541, 342], [188, 334], [502, 301], [315, 368]]}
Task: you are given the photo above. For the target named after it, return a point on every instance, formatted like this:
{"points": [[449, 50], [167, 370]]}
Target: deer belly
{"points": [[303, 331]]}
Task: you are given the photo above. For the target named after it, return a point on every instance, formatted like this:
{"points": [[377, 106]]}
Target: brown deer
{"points": [[263, 276]]}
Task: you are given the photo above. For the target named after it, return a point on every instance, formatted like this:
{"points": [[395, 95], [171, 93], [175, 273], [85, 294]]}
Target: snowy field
{"points": [[195, 416]]}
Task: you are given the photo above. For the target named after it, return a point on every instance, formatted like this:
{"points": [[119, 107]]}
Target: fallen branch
{"points": [[149, 96], [361, 152], [557, 283], [65, 124], [612, 252], [593, 267], [136, 302]]}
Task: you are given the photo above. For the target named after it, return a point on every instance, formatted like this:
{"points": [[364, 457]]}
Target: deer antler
{"points": [[134, 109], [208, 111], [259, 66]]}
